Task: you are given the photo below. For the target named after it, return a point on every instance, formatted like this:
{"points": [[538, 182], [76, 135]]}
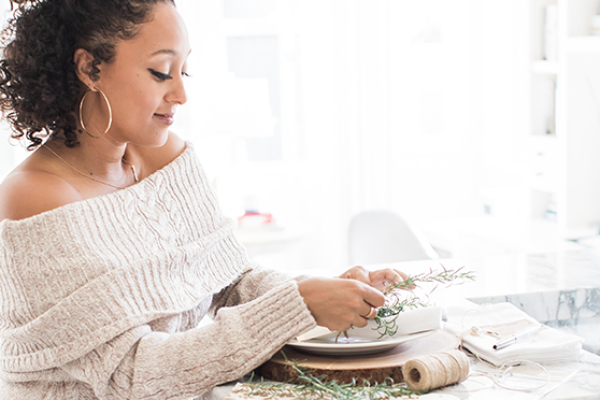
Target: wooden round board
{"points": [[373, 367]]}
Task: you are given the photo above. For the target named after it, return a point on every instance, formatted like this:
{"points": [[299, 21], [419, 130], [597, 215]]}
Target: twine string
{"points": [[442, 369], [436, 370]]}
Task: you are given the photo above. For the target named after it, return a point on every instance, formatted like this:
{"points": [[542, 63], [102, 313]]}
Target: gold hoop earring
{"points": [[107, 106]]}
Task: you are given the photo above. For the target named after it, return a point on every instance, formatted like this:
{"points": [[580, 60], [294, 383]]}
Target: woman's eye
{"points": [[159, 75]]}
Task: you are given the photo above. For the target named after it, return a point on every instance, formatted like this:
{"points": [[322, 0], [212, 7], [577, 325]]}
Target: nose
{"points": [[177, 94]]}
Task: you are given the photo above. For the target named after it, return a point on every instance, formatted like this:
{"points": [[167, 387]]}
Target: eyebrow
{"points": [[166, 51]]}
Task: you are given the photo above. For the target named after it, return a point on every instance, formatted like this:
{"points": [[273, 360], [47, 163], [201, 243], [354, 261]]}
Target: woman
{"points": [[112, 244]]}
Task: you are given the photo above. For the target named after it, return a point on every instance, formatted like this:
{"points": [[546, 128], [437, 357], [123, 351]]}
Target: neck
{"points": [[100, 158]]}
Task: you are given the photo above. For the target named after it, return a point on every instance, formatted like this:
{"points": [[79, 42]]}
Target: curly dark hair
{"points": [[39, 89]]}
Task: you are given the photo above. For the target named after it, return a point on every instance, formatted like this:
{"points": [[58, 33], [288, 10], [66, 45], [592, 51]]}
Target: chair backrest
{"points": [[381, 236]]}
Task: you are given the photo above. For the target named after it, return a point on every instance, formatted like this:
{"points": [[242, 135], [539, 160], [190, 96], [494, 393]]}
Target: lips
{"points": [[165, 118]]}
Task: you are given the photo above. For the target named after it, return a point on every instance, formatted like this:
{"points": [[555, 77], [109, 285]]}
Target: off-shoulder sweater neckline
{"points": [[138, 187]]}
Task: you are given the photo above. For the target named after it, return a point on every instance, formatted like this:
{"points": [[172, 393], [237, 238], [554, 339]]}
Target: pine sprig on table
{"points": [[310, 387]]}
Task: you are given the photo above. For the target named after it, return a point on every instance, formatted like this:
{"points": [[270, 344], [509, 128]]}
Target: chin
{"points": [[163, 138], [156, 139]]}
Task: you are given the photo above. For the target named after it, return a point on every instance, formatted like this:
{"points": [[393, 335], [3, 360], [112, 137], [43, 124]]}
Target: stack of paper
{"points": [[482, 327]]}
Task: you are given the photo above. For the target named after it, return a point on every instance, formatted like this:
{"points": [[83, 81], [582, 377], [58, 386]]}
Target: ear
{"points": [[84, 67]]}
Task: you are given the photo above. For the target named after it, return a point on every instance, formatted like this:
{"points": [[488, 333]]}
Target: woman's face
{"points": [[144, 82]]}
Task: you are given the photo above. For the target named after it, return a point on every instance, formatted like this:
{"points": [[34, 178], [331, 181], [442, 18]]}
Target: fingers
{"points": [[339, 303], [360, 322], [381, 279], [352, 272], [358, 273], [402, 275], [370, 314], [384, 278], [373, 297]]}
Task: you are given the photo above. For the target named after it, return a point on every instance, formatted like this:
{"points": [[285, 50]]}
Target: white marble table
{"points": [[560, 289]]}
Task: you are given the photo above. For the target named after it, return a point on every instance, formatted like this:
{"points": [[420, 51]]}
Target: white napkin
{"points": [[407, 322], [476, 326]]}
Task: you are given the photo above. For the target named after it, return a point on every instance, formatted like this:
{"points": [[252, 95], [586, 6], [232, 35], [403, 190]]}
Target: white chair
{"points": [[381, 236]]}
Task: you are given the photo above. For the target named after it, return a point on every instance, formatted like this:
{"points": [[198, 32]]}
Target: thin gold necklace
{"points": [[133, 170]]}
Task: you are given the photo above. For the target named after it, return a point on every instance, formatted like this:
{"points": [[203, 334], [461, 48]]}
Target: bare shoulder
{"points": [[25, 193], [155, 158]]}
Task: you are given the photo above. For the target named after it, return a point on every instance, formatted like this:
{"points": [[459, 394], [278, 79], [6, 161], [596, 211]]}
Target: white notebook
{"points": [[481, 327]]}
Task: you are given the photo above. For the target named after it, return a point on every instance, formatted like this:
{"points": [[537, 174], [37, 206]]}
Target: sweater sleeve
{"points": [[250, 285], [141, 364]]}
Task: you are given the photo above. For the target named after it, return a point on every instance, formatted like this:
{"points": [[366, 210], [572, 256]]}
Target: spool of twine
{"points": [[436, 370]]}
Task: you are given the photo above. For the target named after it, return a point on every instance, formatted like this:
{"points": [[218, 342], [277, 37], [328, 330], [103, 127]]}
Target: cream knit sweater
{"points": [[101, 299]]}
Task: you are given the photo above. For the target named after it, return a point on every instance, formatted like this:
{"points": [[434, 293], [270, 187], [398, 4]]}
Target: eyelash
{"points": [[163, 77]]}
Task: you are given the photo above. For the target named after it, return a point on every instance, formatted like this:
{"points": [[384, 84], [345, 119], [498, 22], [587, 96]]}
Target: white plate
{"points": [[327, 345]]}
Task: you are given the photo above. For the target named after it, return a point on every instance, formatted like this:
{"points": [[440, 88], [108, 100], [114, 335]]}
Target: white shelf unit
{"points": [[543, 67], [583, 44], [564, 131]]}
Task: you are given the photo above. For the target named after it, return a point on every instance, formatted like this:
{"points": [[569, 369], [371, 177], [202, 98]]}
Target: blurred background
{"points": [[478, 121]]}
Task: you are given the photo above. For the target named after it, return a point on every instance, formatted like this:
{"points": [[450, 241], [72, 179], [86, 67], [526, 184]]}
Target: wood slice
{"points": [[371, 367]]}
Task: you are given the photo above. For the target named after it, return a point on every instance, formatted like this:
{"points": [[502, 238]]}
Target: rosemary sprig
{"points": [[310, 387], [395, 303], [445, 276], [387, 315]]}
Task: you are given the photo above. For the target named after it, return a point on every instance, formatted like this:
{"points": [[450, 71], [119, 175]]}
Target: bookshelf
{"points": [[564, 126]]}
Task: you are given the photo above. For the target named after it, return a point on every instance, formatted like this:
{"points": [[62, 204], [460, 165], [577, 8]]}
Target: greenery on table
{"points": [[310, 387]]}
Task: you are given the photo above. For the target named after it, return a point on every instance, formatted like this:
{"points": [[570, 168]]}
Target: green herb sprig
{"points": [[396, 303], [388, 314], [444, 276], [311, 387]]}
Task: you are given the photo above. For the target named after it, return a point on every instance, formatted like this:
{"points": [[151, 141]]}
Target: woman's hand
{"points": [[379, 279], [338, 304]]}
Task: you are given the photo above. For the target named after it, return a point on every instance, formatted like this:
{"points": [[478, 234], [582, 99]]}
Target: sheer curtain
{"points": [[397, 104], [390, 120]]}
